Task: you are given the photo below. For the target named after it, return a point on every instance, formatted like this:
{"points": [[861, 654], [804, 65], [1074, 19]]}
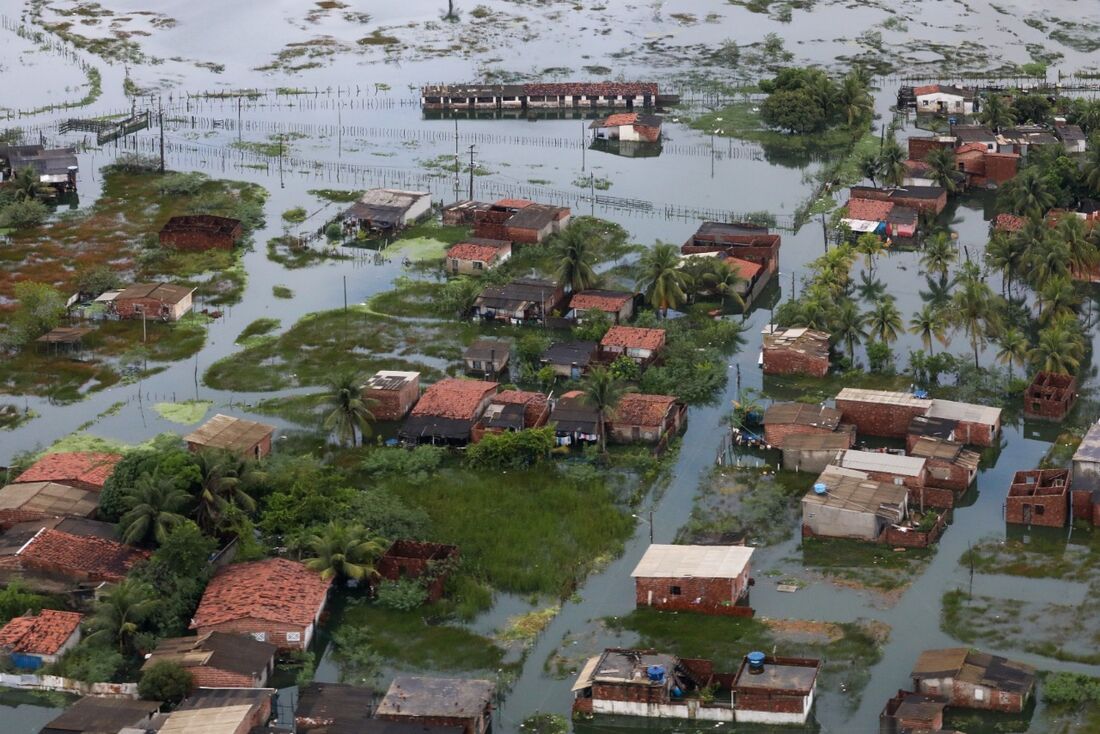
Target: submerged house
{"points": [[968, 678], [880, 412], [518, 220], [513, 410], [881, 466], [413, 559], [570, 359], [784, 420], [476, 255], [974, 424], [487, 357], [1050, 396], [710, 579], [951, 469], [162, 301], [794, 351], [218, 659], [846, 505], [575, 420], [1039, 497], [639, 344], [646, 418], [812, 452], [56, 167], [524, 300], [455, 702], [638, 127], [743, 241], [945, 99], [386, 211], [447, 412], [619, 305]]}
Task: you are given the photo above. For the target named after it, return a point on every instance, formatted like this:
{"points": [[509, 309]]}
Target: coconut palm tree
{"points": [[28, 186], [884, 321], [1060, 348], [939, 254], [603, 391], [1014, 348], [342, 552], [870, 288], [1005, 254], [868, 244], [995, 113], [1049, 261], [662, 281], [1029, 193], [725, 281], [153, 506], [1091, 165], [929, 323], [1058, 297], [892, 162], [350, 410], [848, 326], [869, 167], [974, 312], [120, 612], [1082, 251], [939, 291], [575, 259], [222, 480], [854, 100], [941, 165]]}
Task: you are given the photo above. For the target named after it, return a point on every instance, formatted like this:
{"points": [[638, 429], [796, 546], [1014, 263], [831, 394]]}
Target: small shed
{"points": [[431, 563], [795, 351], [976, 424], [439, 701], [711, 579], [1039, 497], [1050, 396], [812, 452], [844, 506], [969, 678], [922, 426], [198, 232], [387, 210], [95, 715], [162, 301], [394, 393], [487, 357], [513, 410], [245, 438], [68, 339], [910, 711], [570, 359]]}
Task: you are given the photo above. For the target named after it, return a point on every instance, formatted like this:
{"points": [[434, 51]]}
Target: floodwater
{"points": [[362, 127]]}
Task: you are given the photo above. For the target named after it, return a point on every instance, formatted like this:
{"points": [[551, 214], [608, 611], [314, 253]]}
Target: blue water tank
{"points": [[656, 673], [676, 692], [819, 488], [920, 393], [756, 662]]}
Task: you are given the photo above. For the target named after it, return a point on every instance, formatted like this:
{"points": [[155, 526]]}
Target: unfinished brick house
{"points": [[274, 600], [453, 702], [519, 221], [1039, 497], [1050, 396], [80, 469], [218, 659], [710, 579], [413, 559], [769, 689], [783, 420], [198, 232], [912, 712], [922, 426], [972, 679], [951, 469], [795, 352], [845, 504], [393, 393], [341, 707], [880, 412], [979, 425], [743, 241]]}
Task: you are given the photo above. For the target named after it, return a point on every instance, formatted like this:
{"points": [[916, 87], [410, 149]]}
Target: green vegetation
{"points": [[185, 413], [864, 565], [748, 504], [1041, 557], [297, 215], [281, 291], [339, 196], [259, 327]]}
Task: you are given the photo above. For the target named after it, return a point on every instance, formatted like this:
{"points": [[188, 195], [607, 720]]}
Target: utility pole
{"points": [[592, 191], [281, 184], [160, 123], [458, 184], [345, 294], [824, 232], [584, 144], [471, 172], [239, 103]]}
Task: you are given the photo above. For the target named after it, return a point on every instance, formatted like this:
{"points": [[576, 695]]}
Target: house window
{"points": [[259, 636], [478, 265], [675, 590], [979, 694], [1040, 509], [293, 636]]}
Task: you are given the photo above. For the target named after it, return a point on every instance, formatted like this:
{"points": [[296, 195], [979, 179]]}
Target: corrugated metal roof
{"points": [[885, 397], [226, 432], [1089, 450], [847, 492], [802, 414], [969, 412], [693, 561], [224, 720], [909, 466]]}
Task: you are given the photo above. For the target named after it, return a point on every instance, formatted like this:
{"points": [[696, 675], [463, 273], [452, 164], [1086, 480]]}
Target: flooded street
{"points": [[353, 121]]}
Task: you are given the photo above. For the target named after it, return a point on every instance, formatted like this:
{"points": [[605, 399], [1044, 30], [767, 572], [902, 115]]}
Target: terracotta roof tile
{"points": [[97, 559], [87, 467], [621, 118], [746, 269], [472, 251], [534, 403], [513, 203], [275, 589], [642, 410], [869, 210], [601, 300], [633, 337], [454, 398], [971, 148], [1009, 223], [39, 635]]}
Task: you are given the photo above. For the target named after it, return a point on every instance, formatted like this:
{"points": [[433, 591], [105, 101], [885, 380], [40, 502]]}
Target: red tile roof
{"points": [[86, 467], [80, 556], [534, 403], [275, 589], [591, 89], [746, 269], [454, 398], [600, 300], [642, 410], [472, 251], [971, 148], [513, 203], [869, 210], [41, 635], [621, 118], [1009, 223], [633, 337]]}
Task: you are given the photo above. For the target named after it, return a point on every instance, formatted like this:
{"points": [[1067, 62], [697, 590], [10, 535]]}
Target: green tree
{"points": [[941, 164], [929, 323], [40, 309], [725, 281], [574, 259], [1058, 297], [1028, 193], [868, 244], [793, 110], [973, 311], [995, 112], [221, 486], [854, 100], [1083, 255], [1060, 349], [457, 297], [16, 599], [603, 392], [939, 254], [1031, 108], [154, 505], [28, 186], [892, 163], [23, 214], [120, 613], [340, 551], [870, 167], [1091, 165], [349, 410], [848, 327], [1014, 348], [662, 281], [884, 321], [165, 681], [938, 292], [1005, 254]]}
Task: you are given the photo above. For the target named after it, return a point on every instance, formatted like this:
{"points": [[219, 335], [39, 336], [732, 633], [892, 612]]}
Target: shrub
{"points": [[416, 466], [180, 184], [402, 596], [23, 214], [1071, 689], [595, 325], [297, 215], [165, 681], [511, 450], [40, 309], [97, 279], [357, 659], [334, 232], [91, 662]]}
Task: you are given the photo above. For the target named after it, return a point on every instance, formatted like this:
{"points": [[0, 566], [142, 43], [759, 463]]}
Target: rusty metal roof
{"points": [[230, 433], [802, 414]]}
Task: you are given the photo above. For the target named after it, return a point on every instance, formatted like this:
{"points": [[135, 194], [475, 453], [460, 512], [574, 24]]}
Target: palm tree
{"points": [[602, 391], [938, 294], [1087, 115], [941, 164], [973, 311], [853, 99], [1060, 348], [869, 167], [350, 410], [870, 289], [1057, 297], [1029, 193], [154, 505], [1083, 254], [892, 164], [1049, 260], [848, 326], [222, 476], [344, 552], [1005, 254], [884, 320], [868, 244], [120, 612], [995, 113], [28, 185], [939, 254], [574, 271], [662, 281], [929, 323], [1014, 348], [1091, 165], [726, 281]]}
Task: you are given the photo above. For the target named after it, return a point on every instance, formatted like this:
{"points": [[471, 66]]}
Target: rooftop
{"points": [[693, 561], [952, 451], [968, 412], [627, 118], [416, 696], [922, 425], [807, 341], [86, 467], [98, 558], [486, 349], [215, 720], [874, 461], [454, 398], [838, 440], [573, 414], [869, 210], [855, 494], [518, 293], [633, 337], [322, 702], [49, 498], [385, 204], [390, 379], [601, 300], [1089, 450], [628, 666], [796, 675], [973, 133], [744, 268], [948, 89], [802, 414], [973, 666], [479, 249], [636, 409], [41, 634], [163, 292], [229, 433], [1009, 222], [93, 714], [236, 653], [275, 589], [883, 397], [535, 216], [567, 353]]}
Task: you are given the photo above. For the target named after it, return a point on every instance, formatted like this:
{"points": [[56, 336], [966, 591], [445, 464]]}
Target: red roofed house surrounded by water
{"points": [[477, 255], [641, 345], [448, 411], [639, 127]]}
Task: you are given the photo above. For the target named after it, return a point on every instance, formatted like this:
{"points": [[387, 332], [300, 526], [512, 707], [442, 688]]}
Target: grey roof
{"points": [[973, 134], [802, 414], [44, 161], [969, 412], [334, 701], [883, 397], [49, 498], [693, 561], [568, 353], [384, 205], [236, 653], [574, 415], [873, 461], [1089, 450], [415, 696], [390, 380], [101, 715], [851, 493], [484, 349], [1069, 132]]}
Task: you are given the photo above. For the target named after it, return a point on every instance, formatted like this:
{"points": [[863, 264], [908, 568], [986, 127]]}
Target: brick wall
{"points": [[889, 478], [877, 419], [1000, 168], [715, 596], [913, 538], [203, 676], [631, 693], [919, 148], [274, 632], [790, 362], [943, 474], [1055, 510], [772, 703], [648, 133], [392, 405], [937, 498], [776, 434], [978, 434], [965, 695], [469, 726], [1083, 506]]}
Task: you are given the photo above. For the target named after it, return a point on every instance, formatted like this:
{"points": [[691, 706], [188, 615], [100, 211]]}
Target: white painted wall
{"points": [[772, 717], [689, 709]]}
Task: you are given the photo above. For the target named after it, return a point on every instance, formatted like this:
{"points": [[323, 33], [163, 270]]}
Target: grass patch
{"points": [[281, 291], [258, 327], [735, 505], [185, 413], [1040, 557], [864, 565], [409, 297], [291, 254], [297, 215], [527, 627], [12, 416], [339, 196]]}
